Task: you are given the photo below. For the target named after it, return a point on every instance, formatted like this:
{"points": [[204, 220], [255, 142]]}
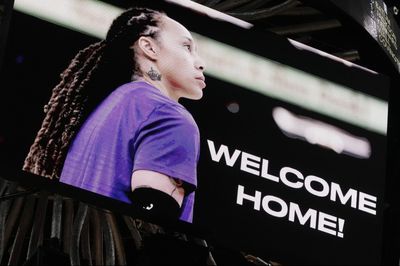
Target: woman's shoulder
{"points": [[139, 88], [145, 98], [177, 115], [142, 93], [135, 96]]}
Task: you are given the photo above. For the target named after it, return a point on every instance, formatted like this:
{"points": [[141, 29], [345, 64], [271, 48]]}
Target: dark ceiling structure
{"points": [[300, 20]]}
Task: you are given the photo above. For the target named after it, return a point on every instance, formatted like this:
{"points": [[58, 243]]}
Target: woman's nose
{"points": [[200, 64]]}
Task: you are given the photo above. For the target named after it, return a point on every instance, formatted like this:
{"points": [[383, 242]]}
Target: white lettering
{"points": [[256, 198], [367, 203], [312, 178], [279, 208], [264, 171], [223, 150], [327, 223], [311, 214], [283, 207], [292, 178], [351, 194], [245, 163], [283, 176]]}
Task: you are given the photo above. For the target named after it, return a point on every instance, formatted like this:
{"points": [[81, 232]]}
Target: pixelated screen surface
{"points": [[291, 144]]}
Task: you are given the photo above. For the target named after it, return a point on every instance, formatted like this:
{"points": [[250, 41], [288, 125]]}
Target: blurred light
{"points": [[319, 133], [87, 16], [94, 17], [233, 107], [292, 85], [302, 46], [234, 65], [19, 59], [212, 13], [395, 10]]}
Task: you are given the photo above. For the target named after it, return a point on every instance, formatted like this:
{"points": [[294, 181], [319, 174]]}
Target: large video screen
{"points": [[260, 143]]}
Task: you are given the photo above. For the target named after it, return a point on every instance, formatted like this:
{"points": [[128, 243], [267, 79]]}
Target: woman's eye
{"points": [[188, 46]]}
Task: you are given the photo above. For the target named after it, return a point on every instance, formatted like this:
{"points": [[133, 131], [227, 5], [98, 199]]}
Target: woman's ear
{"points": [[149, 47]]}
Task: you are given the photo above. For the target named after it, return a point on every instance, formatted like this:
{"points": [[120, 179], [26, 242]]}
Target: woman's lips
{"points": [[202, 80]]}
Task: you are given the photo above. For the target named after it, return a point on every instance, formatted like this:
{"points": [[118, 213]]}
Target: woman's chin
{"points": [[194, 95], [197, 96]]}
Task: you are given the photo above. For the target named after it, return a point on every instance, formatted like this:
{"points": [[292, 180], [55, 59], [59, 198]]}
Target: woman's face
{"points": [[178, 62]]}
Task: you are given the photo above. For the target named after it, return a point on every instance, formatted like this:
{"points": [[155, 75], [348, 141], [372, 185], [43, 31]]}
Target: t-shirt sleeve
{"points": [[168, 143]]}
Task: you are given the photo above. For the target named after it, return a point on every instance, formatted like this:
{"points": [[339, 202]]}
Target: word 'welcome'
{"points": [[293, 178]]}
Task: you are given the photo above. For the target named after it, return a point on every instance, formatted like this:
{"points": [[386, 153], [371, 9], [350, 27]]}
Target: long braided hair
{"points": [[91, 76]]}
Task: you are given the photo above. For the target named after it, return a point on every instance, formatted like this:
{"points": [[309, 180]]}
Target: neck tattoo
{"points": [[154, 75]]}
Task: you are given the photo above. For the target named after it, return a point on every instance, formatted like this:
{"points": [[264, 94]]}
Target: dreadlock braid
{"points": [[70, 112], [42, 152], [84, 84]]}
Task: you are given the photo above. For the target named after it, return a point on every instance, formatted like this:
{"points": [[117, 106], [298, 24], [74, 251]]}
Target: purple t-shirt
{"points": [[135, 127]]}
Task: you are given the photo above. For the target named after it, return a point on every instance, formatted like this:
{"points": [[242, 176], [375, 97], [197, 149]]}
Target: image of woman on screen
{"points": [[113, 125]]}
